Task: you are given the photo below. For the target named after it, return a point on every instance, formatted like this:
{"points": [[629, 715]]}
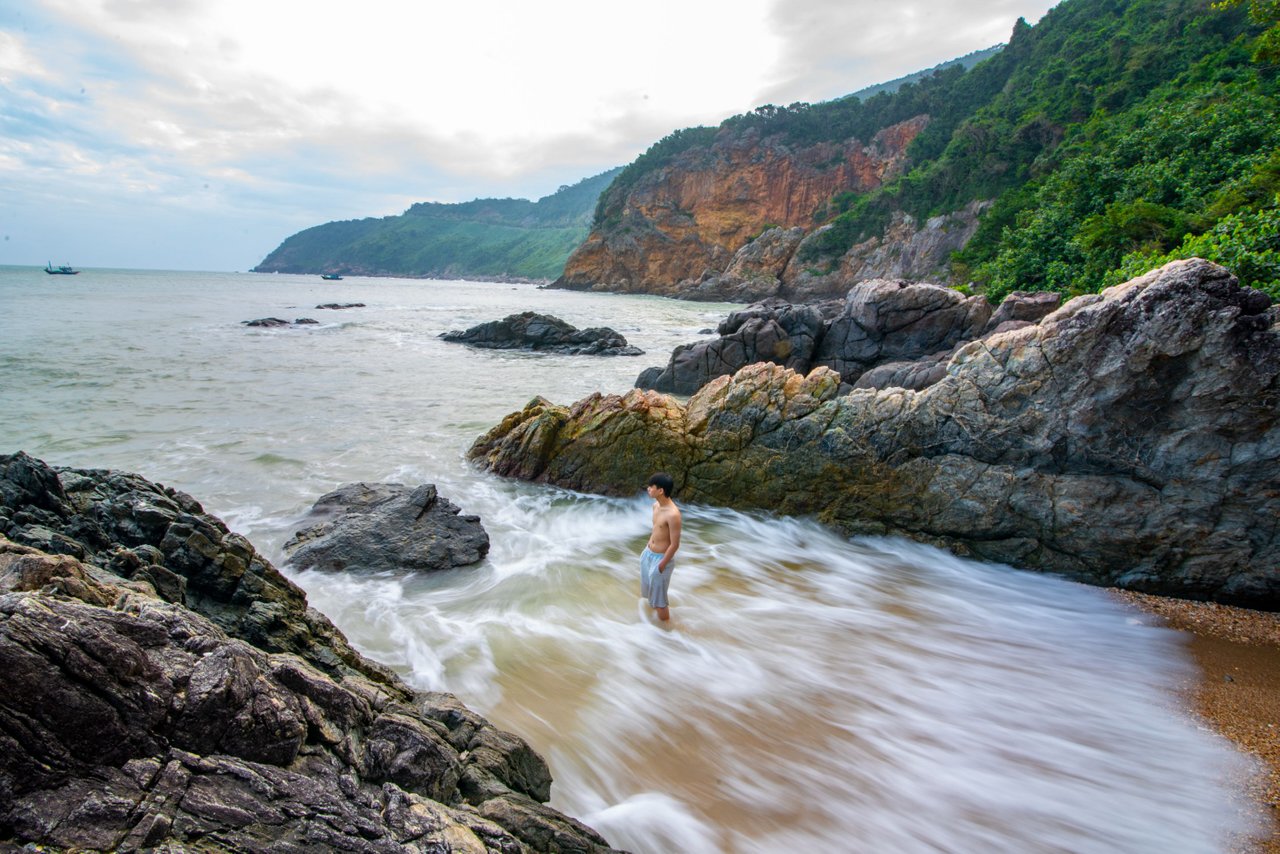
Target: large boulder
{"points": [[769, 331], [543, 332], [1131, 438], [167, 689], [881, 322], [387, 526]]}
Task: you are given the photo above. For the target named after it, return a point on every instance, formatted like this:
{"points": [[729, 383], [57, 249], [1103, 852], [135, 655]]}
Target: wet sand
{"points": [[1238, 689]]}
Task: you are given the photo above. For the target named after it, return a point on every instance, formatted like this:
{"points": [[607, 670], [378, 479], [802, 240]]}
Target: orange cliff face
{"points": [[684, 221]]}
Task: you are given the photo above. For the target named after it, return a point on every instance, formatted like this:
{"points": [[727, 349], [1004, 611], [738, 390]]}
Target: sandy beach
{"points": [[1238, 689]]}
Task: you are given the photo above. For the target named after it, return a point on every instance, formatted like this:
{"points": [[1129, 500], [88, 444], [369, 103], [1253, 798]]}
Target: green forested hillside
{"points": [[1111, 136], [485, 237]]}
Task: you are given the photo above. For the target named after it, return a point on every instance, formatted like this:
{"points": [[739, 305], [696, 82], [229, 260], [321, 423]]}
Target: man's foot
{"points": [[664, 614]]}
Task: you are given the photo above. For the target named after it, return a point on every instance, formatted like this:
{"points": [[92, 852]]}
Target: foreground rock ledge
{"points": [[167, 689], [1130, 439]]}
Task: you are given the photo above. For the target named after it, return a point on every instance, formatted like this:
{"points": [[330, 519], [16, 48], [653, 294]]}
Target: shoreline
{"points": [[1237, 690]]}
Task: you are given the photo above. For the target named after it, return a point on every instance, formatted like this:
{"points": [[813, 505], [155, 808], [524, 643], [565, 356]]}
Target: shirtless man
{"points": [[655, 560]]}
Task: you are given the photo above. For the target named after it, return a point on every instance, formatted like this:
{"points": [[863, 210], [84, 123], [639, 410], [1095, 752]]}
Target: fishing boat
{"points": [[63, 270], [331, 277]]}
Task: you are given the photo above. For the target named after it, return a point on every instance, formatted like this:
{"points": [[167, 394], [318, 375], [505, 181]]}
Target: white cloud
{"points": [[311, 111]]}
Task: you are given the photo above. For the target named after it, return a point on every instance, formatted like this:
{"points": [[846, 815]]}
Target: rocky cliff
{"points": [[1130, 438], [681, 225], [167, 689]]}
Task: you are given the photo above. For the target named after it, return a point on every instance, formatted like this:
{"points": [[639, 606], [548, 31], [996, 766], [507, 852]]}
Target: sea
{"points": [[811, 692]]}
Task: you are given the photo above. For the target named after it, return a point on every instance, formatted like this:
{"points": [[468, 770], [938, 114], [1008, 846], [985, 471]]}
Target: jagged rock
{"points": [[880, 323], [1022, 307], [338, 306], [769, 331], [270, 322], [1132, 438], [387, 527], [532, 331], [129, 722], [894, 321], [755, 273]]}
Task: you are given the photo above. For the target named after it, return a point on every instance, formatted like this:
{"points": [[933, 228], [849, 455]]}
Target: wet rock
{"points": [[132, 722], [544, 333], [338, 306], [383, 527], [1130, 439], [273, 322]]}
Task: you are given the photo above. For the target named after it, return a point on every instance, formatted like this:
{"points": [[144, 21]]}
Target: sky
{"points": [[199, 134]]}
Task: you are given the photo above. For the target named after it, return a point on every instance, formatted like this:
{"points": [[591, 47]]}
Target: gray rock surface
{"points": [[1131, 438], [887, 325], [167, 689], [542, 332], [383, 527]]}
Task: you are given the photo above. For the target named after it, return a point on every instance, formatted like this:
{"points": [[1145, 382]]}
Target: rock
{"points": [[881, 323], [755, 273], [338, 306], [1021, 307], [387, 527], [542, 332], [130, 722], [769, 331], [1130, 439], [270, 322]]}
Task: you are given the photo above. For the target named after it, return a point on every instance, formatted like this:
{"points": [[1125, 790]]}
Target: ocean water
{"points": [[811, 692]]}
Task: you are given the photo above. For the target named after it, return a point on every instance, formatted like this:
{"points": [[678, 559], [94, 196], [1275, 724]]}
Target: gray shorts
{"points": [[654, 584]]}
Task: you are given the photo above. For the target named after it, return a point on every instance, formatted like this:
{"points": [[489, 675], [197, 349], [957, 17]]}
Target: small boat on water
{"points": [[331, 277], [63, 270]]}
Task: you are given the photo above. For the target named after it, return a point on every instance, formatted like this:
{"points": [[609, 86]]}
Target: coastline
{"points": [[1237, 691]]}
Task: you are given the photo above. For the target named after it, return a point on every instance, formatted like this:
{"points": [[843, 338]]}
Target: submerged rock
{"points": [[387, 526], [167, 689], [542, 332], [1131, 438], [271, 322]]}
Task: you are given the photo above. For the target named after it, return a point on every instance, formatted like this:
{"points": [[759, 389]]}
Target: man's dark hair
{"points": [[663, 481]]}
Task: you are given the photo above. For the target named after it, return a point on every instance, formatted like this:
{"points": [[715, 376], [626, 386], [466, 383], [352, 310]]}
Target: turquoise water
{"points": [[811, 694]]}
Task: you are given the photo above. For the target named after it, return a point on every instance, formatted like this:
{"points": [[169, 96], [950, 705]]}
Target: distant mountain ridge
{"points": [[969, 60], [483, 238]]}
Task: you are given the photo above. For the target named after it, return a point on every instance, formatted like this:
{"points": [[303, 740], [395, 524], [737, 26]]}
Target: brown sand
{"points": [[1238, 690]]}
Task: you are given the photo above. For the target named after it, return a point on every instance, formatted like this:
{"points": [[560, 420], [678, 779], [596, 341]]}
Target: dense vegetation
{"points": [[483, 238], [1113, 135]]}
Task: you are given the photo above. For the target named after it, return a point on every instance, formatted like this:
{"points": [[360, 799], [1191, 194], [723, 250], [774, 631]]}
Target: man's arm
{"points": [[673, 534]]}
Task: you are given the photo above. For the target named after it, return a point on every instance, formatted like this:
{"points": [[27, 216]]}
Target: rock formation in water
{"points": [[167, 689], [387, 527], [724, 220], [544, 333], [1131, 438], [884, 333]]}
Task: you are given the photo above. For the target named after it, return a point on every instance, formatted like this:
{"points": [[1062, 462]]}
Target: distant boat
{"points": [[64, 270], [331, 277]]}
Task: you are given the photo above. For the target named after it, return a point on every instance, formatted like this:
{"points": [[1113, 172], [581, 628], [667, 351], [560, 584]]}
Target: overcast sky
{"points": [[198, 134]]}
